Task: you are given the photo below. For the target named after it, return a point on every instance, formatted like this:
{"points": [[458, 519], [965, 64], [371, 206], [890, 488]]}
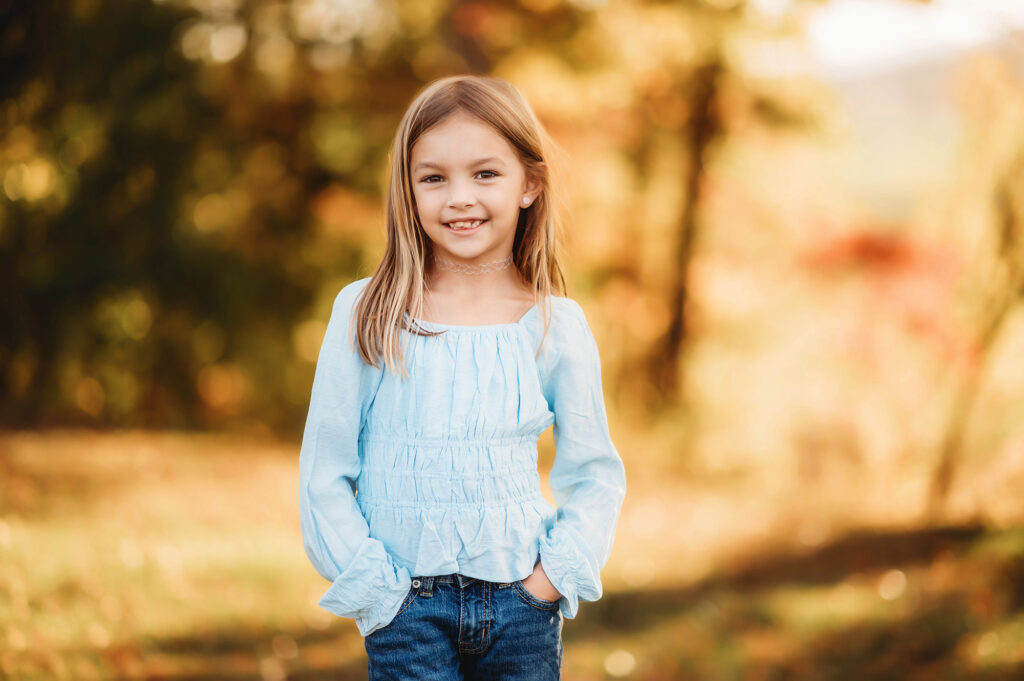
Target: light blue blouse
{"points": [[437, 474]]}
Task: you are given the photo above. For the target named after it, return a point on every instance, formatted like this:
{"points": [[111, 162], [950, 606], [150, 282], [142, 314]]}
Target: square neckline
{"points": [[471, 327]]}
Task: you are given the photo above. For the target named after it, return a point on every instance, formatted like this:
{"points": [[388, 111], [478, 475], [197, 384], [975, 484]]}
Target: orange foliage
{"points": [[909, 279]]}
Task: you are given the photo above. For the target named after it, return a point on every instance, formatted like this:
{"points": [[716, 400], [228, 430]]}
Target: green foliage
{"points": [[189, 183], [188, 188], [114, 262]]}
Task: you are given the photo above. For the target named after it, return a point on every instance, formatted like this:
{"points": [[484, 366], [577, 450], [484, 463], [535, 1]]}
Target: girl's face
{"points": [[469, 186]]}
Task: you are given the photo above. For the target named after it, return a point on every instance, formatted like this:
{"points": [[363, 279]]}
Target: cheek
{"points": [[422, 205]]}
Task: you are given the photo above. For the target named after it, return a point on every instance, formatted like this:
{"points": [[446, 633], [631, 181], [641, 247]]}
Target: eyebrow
{"points": [[478, 162]]}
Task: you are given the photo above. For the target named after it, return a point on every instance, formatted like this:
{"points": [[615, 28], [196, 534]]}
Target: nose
{"points": [[460, 194]]}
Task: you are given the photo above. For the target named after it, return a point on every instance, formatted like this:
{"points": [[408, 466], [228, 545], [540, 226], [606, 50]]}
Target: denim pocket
{"points": [[532, 600], [409, 598], [414, 591]]}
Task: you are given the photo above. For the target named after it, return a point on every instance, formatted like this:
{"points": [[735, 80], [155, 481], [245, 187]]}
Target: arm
{"points": [[366, 585], [588, 479]]}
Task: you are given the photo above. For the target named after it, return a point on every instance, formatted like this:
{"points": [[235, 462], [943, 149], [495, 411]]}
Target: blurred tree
{"points": [[186, 183], [184, 196], [688, 100], [126, 240], [1003, 289]]}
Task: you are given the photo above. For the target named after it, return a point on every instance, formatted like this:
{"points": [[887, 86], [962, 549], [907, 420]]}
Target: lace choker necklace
{"points": [[482, 268]]}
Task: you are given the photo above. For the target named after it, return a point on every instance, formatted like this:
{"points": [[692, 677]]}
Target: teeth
{"points": [[464, 224]]}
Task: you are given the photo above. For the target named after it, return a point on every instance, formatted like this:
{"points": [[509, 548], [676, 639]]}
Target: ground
{"points": [[141, 555]]}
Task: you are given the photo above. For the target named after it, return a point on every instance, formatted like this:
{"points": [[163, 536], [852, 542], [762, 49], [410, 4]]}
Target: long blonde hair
{"points": [[396, 288]]}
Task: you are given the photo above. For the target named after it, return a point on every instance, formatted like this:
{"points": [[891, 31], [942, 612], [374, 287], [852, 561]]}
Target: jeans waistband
{"points": [[461, 580], [426, 584], [440, 578]]}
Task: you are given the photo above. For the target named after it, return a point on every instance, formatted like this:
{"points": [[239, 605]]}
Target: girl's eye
{"points": [[487, 174], [431, 178]]}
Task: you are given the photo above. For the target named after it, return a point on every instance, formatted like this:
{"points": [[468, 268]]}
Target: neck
{"points": [[480, 279], [447, 265]]}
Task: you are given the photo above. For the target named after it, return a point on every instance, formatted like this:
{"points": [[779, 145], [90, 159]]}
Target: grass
{"points": [[170, 556]]}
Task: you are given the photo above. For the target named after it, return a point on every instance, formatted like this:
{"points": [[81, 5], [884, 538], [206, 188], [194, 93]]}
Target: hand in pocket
{"points": [[540, 586]]}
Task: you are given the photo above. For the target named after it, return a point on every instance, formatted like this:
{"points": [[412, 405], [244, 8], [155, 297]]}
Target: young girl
{"points": [[420, 497]]}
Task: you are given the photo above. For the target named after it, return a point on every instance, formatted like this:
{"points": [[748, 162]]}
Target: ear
{"points": [[532, 187]]}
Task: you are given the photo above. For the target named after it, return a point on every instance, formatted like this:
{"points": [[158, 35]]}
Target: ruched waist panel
{"points": [[439, 473]]}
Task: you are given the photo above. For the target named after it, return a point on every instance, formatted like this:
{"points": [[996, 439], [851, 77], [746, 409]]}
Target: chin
{"points": [[463, 253], [468, 257]]}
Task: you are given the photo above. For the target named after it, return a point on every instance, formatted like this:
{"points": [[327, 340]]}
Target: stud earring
{"points": [[526, 201]]}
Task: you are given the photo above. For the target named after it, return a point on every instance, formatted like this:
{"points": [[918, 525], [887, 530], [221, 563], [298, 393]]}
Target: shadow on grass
{"points": [[244, 655], [352, 671], [934, 639], [926, 644], [934, 636], [218, 642], [857, 552]]}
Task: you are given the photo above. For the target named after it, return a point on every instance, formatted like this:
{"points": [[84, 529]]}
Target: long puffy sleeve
{"points": [[587, 478], [366, 585]]}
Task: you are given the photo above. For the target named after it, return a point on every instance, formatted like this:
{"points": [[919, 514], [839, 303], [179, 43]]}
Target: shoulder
{"points": [[348, 295], [353, 289], [567, 317], [566, 306], [568, 331], [340, 343], [569, 355], [344, 306]]}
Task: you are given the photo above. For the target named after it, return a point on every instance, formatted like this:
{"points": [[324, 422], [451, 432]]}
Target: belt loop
{"points": [[428, 583]]}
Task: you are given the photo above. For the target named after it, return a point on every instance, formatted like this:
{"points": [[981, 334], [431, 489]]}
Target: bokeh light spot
{"points": [[892, 585], [31, 181], [275, 55], [211, 213], [222, 387], [136, 318], [988, 644], [285, 647], [89, 396], [272, 670], [196, 39], [227, 42], [620, 663], [813, 531]]}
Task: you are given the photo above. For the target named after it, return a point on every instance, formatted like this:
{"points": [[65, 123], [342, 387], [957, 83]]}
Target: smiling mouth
{"points": [[460, 225]]}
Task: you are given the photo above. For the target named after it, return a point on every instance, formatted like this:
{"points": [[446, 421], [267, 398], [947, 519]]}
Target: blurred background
{"points": [[796, 228]]}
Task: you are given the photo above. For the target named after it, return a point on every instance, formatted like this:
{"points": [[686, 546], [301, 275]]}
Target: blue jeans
{"points": [[459, 628]]}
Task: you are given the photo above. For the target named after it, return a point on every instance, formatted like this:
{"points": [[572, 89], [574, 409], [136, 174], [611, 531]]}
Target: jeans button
{"points": [[415, 583]]}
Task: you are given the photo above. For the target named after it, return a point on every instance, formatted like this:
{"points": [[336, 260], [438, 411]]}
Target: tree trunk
{"points": [[704, 127], [1011, 257]]}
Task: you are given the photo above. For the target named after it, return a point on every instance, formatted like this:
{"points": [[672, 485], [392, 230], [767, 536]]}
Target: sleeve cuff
{"points": [[370, 590], [569, 570]]}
